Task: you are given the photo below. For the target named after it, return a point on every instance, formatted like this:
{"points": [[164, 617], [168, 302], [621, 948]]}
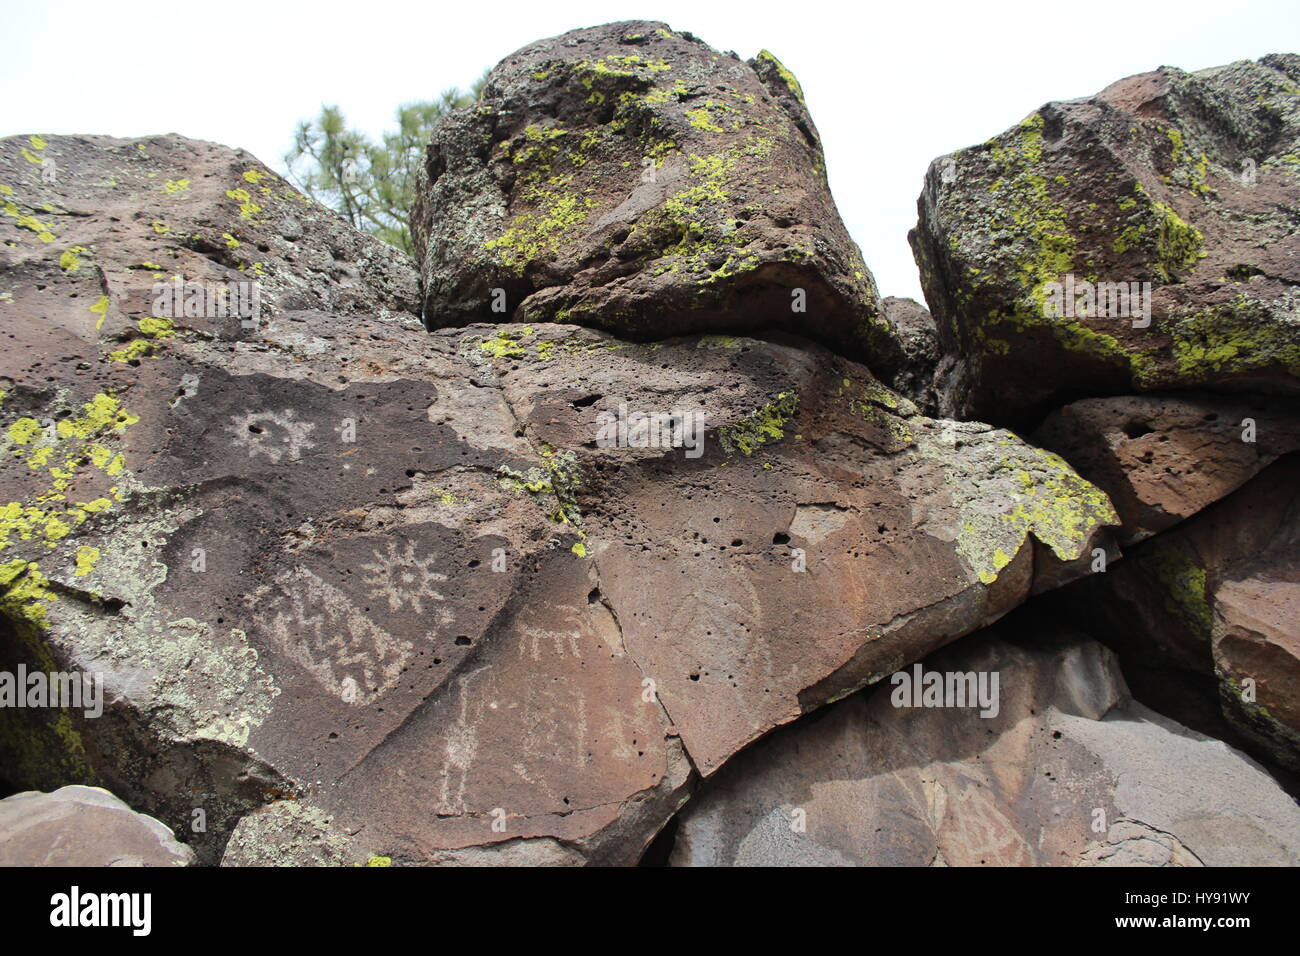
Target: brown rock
{"points": [[83, 826], [1199, 609], [1069, 772], [1162, 459], [393, 588], [630, 178], [1186, 181]]}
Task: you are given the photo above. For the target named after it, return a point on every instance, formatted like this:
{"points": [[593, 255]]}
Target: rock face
{"points": [[83, 826], [631, 178], [1208, 608], [1186, 181], [1164, 458], [1070, 772], [356, 590], [919, 341], [508, 582]]}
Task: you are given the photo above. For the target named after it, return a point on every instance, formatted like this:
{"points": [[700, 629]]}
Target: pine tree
{"points": [[370, 184]]}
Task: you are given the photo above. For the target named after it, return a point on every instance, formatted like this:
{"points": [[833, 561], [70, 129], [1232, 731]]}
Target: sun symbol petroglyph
{"points": [[272, 435], [398, 576]]}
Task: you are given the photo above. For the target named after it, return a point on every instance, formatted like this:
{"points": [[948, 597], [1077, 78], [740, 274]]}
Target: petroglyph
{"points": [[462, 739], [401, 579], [535, 640], [315, 624], [272, 435]]}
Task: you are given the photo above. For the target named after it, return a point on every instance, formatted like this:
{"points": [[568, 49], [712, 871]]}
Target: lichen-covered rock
{"points": [[1186, 181], [1204, 615], [1070, 771], [1164, 458], [357, 591], [631, 178], [83, 826]]}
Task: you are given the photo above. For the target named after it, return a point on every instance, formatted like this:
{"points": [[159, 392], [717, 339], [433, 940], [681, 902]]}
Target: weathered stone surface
{"points": [[914, 326], [1164, 458], [360, 591], [83, 826], [1199, 609], [630, 178], [1184, 180], [903, 786]]}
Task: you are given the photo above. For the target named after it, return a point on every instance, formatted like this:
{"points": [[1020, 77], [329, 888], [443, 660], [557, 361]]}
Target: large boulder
{"points": [[1070, 771], [83, 826], [359, 591], [631, 178], [1186, 181], [1204, 615], [1164, 458]]}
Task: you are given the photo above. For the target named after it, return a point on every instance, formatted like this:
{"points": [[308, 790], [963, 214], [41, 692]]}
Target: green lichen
{"points": [[786, 76], [505, 344], [151, 332], [247, 208], [765, 424], [1240, 336], [1182, 584], [47, 517], [1178, 245], [1005, 490], [557, 216], [560, 478]]}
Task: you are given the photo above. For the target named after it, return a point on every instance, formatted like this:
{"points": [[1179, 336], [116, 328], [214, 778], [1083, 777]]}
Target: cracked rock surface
{"points": [[1070, 772], [359, 590]]}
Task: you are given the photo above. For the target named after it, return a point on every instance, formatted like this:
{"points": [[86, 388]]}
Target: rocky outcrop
{"points": [[631, 178], [499, 560], [83, 826], [356, 590], [1165, 458], [1185, 181], [1070, 771], [1205, 611]]}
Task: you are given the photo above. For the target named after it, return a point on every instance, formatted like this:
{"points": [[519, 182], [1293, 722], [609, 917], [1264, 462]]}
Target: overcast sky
{"points": [[891, 86]]}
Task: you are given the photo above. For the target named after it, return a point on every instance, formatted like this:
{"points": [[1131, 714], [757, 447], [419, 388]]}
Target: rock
{"points": [[1164, 458], [1070, 772], [916, 333], [1199, 611], [358, 591], [83, 826], [1186, 181], [630, 178]]}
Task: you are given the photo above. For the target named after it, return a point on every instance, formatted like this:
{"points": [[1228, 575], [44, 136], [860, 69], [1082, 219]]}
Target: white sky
{"points": [[891, 86]]}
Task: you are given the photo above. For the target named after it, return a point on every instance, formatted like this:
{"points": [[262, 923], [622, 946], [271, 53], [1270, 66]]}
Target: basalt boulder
{"points": [[630, 178], [1164, 458], [1203, 616], [1188, 182], [83, 826], [359, 592], [1067, 770]]}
